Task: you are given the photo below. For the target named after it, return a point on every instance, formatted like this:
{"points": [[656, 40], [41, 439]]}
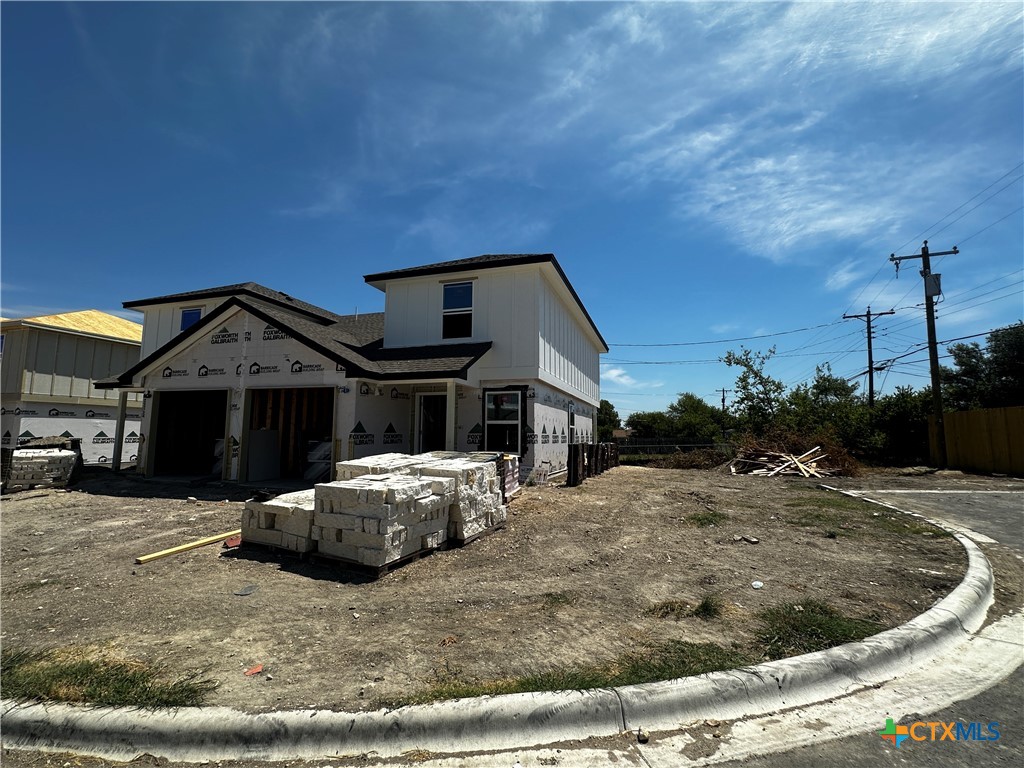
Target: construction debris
{"points": [[383, 509], [772, 463], [186, 547]]}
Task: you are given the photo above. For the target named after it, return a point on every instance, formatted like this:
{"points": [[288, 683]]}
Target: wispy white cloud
{"points": [[335, 199], [618, 376], [840, 278], [722, 328]]}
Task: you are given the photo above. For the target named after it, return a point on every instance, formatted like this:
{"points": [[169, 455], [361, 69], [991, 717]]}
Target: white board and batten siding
{"points": [[536, 329], [162, 322]]}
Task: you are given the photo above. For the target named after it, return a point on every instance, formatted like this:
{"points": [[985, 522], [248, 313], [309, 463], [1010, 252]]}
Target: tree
{"points": [[607, 420], [829, 405], [758, 395], [992, 377], [694, 421], [647, 425]]}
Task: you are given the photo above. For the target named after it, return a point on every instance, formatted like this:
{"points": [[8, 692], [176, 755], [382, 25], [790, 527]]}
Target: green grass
{"points": [[706, 518], [710, 607], [790, 629], [552, 600], [84, 676], [830, 511], [662, 661]]}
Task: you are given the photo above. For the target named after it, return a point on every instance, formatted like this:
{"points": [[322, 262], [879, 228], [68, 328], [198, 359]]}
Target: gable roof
{"points": [[254, 290], [355, 342], [487, 261], [91, 322]]}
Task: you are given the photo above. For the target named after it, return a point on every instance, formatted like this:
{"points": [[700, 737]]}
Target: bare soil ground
{"points": [[570, 580]]}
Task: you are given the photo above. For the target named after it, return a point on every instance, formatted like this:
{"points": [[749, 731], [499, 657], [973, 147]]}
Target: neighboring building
{"points": [[49, 366], [488, 353]]}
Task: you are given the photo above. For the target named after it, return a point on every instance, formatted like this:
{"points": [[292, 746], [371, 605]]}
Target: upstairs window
{"points": [[457, 317], [190, 317]]}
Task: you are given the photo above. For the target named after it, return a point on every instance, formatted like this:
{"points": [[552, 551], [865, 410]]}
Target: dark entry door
{"points": [[433, 409]]}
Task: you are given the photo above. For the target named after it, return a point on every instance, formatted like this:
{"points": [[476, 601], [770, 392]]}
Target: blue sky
{"points": [[703, 172]]}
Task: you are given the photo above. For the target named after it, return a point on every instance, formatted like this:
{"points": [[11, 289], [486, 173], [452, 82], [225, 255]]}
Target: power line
{"points": [[728, 341], [1017, 210]]}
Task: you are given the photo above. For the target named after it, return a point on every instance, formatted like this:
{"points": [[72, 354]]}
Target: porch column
{"points": [[452, 408], [122, 412]]}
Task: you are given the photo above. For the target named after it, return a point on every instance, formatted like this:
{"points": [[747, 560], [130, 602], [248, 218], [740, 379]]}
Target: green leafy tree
{"points": [[992, 377], [647, 425], [900, 422], [759, 397], [694, 421], [607, 420]]}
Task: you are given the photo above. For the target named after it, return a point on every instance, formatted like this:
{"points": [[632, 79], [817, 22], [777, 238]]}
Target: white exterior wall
{"points": [[97, 427], [534, 326], [548, 431], [568, 358], [162, 322], [376, 419]]}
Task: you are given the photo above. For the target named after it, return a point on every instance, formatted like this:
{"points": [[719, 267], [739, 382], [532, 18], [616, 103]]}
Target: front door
{"points": [[432, 422]]}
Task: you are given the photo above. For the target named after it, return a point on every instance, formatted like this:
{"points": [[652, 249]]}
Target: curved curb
{"points": [[512, 721]]}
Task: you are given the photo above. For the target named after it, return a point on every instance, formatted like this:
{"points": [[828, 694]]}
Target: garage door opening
{"points": [[189, 426], [290, 433]]}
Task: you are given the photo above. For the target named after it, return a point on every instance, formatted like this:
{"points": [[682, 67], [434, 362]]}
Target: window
{"points": [[190, 317], [457, 317], [501, 415]]}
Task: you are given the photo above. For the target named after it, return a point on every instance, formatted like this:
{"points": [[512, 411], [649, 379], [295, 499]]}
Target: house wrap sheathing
{"points": [[492, 353]]}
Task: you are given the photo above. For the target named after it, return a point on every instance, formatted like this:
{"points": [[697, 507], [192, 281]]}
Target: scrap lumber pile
{"points": [[382, 509], [772, 463]]}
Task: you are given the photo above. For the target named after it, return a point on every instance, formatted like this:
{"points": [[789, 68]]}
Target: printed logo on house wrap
{"points": [[207, 371], [939, 731], [96, 415], [359, 435], [224, 336], [299, 367], [270, 333], [256, 369], [170, 373], [132, 437], [6, 439], [57, 412], [392, 436], [101, 438]]}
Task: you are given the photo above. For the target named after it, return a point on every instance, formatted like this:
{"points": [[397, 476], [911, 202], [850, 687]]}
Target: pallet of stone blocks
{"points": [[376, 520], [478, 495], [41, 467], [285, 522]]}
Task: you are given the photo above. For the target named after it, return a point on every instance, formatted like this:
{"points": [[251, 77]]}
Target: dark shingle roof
{"points": [[354, 342], [487, 261], [248, 289]]}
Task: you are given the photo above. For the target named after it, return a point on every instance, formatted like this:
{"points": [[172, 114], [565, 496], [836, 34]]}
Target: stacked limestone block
{"points": [[376, 519], [478, 495], [382, 464], [285, 521], [43, 467]]}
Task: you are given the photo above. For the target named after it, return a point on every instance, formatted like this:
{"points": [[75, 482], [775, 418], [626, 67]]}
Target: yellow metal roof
{"points": [[90, 321]]}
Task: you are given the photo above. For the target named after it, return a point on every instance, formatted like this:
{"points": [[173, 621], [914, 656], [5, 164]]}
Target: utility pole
{"points": [[871, 360], [932, 288], [723, 391]]}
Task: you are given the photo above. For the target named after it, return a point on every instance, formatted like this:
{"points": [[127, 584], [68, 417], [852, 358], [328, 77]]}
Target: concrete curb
{"points": [[514, 721]]}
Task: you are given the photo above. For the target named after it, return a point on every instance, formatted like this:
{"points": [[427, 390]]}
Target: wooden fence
{"points": [[988, 440]]}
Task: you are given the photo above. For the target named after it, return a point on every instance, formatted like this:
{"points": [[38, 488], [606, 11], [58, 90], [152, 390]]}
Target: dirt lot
{"points": [[571, 578]]}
